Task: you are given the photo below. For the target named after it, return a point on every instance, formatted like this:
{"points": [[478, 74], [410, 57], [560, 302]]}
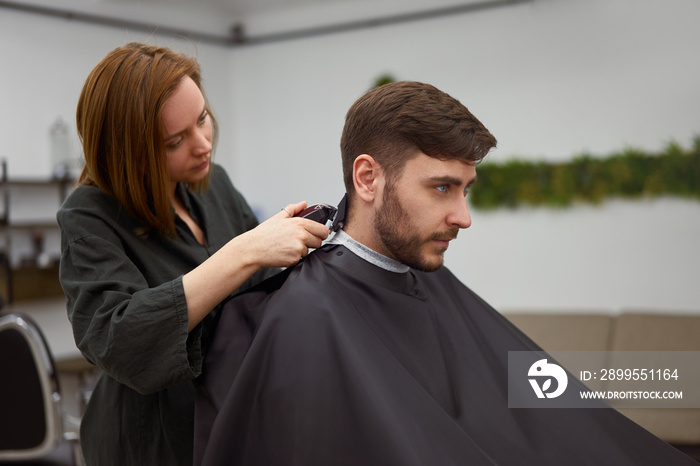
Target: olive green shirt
{"points": [[127, 306]]}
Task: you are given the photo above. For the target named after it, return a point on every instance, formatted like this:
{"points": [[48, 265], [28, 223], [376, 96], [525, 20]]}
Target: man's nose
{"points": [[459, 216]]}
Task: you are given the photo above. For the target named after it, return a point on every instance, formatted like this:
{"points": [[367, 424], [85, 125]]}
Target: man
{"points": [[370, 352]]}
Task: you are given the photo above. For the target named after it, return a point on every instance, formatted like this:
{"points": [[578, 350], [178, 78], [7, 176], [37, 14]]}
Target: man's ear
{"points": [[366, 175]]}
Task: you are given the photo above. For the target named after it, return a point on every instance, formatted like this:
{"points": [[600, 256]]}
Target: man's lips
{"points": [[443, 243], [443, 240]]}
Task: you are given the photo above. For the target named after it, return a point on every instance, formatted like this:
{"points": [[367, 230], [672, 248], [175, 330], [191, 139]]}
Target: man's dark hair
{"points": [[394, 122]]}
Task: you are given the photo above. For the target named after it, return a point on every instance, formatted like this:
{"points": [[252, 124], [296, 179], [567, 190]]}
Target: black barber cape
{"points": [[339, 362]]}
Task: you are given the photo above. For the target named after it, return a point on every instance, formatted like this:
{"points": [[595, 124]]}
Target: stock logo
{"points": [[543, 371]]}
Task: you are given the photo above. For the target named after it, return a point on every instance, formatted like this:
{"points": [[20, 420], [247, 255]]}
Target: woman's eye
{"points": [[203, 118], [175, 145]]}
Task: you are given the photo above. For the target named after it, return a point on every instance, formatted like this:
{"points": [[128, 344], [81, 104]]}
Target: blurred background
{"points": [[564, 85], [552, 79]]}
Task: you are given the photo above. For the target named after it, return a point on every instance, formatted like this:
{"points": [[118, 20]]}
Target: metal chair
{"points": [[32, 425]]}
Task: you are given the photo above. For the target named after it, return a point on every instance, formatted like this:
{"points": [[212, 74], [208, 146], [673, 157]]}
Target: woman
{"points": [[152, 239]]}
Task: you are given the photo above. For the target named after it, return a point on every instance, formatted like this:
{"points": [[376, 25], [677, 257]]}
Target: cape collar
{"points": [[371, 256], [339, 256]]}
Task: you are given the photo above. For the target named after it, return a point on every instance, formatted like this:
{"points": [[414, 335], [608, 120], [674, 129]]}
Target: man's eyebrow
{"points": [[451, 180]]}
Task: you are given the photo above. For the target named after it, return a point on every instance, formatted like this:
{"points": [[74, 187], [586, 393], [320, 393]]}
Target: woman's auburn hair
{"points": [[119, 121]]}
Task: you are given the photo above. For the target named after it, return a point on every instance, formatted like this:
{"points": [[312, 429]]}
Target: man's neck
{"points": [[370, 255]]}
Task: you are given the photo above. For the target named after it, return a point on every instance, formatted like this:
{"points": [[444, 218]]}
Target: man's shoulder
{"points": [[310, 288], [318, 283], [306, 295], [443, 278]]}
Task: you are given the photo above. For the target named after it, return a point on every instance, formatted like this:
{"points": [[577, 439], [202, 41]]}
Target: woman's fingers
{"points": [[282, 241], [318, 230], [291, 210]]}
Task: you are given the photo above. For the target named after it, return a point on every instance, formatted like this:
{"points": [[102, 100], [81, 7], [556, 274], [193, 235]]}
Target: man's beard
{"points": [[394, 228]]}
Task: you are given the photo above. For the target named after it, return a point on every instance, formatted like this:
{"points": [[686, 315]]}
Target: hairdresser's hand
{"points": [[282, 240]]}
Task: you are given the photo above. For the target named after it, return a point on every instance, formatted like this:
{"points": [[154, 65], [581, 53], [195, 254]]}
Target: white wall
{"points": [[641, 256], [550, 78], [44, 63]]}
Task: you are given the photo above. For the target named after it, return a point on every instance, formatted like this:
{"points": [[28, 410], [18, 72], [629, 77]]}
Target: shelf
{"points": [[35, 182], [27, 196], [30, 283], [29, 224]]}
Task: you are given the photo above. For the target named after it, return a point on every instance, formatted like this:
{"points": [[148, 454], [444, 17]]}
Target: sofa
{"points": [[627, 331]]}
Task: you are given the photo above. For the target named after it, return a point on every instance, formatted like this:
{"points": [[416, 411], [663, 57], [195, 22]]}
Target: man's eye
{"points": [[442, 189]]}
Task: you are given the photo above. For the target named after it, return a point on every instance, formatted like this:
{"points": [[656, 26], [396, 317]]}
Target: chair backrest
{"points": [[30, 417]]}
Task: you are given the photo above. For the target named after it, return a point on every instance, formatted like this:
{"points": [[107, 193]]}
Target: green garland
{"points": [[630, 174], [384, 79]]}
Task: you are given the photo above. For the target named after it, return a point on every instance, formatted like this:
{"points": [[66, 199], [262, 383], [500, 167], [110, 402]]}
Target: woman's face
{"points": [[187, 134]]}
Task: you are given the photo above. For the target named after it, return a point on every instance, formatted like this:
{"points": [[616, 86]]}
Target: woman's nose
{"points": [[203, 143]]}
